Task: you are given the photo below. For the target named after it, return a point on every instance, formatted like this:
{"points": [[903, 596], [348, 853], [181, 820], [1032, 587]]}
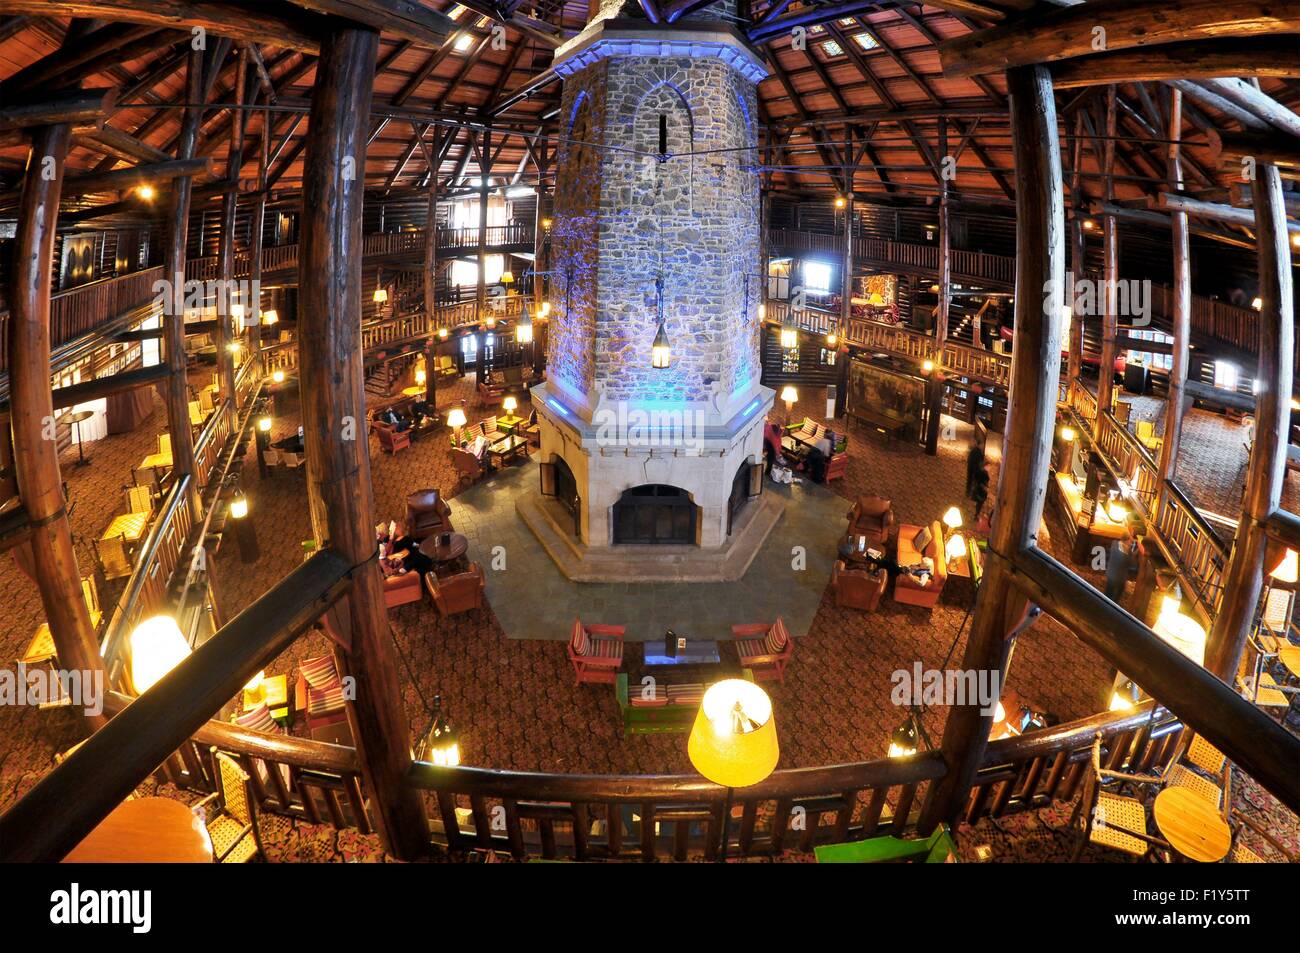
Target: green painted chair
{"points": [[938, 848]]}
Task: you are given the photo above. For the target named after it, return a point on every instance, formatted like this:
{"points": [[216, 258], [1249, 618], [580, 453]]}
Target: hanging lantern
{"points": [[789, 333], [439, 744], [524, 329], [238, 505], [660, 352], [903, 742], [832, 338]]}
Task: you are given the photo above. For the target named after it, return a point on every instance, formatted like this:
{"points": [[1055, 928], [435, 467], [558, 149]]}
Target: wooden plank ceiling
{"points": [[875, 65]]}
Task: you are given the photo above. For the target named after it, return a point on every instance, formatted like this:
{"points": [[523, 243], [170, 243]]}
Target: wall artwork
{"points": [[876, 391]]}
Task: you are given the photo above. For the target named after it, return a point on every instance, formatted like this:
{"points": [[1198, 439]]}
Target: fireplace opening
{"points": [[654, 513], [558, 482], [746, 485]]}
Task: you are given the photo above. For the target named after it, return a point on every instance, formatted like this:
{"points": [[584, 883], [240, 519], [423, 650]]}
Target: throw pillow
{"points": [[921, 541]]}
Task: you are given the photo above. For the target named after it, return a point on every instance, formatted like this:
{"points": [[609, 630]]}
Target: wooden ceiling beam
{"points": [[1071, 31], [1259, 104], [404, 19], [1277, 56], [76, 106], [1274, 148]]}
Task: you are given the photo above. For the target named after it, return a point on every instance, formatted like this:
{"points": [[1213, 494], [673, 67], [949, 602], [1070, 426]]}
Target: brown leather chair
{"points": [[390, 438], [401, 588], [872, 517], [459, 593], [857, 588], [427, 514]]}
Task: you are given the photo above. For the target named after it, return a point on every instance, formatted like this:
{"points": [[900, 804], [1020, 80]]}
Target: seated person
{"points": [[292, 444], [480, 450], [393, 419], [421, 408], [400, 554], [820, 455]]}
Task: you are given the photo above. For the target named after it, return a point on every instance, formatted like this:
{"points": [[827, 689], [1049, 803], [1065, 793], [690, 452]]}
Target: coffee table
{"points": [[432, 546], [697, 652], [1192, 825], [507, 449]]}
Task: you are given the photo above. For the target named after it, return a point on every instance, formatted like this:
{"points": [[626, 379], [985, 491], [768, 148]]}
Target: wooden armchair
{"points": [[532, 431], [467, 466], [837, 466], [318, 692], [390, 438], [1110, 819], [872, 517], [596, 652], [857, 588], [427, 514], [764, 649], [446, 366], [230, 814], [458, 593]]}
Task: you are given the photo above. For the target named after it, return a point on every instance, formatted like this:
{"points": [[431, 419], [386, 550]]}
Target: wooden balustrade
{"points": [[1131, 461], [146, 589]]}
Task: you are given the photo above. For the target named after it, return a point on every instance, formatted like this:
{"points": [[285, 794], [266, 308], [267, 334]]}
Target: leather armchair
{"points": [[459, 593], [401, 588], [857, 588], [427, 514], [391, 439], [872, 517]]}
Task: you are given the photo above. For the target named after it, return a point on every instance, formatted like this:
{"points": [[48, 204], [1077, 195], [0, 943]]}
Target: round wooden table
{"points": [[433, 548], [1290, 658], [1192, 825], [146, 830]]}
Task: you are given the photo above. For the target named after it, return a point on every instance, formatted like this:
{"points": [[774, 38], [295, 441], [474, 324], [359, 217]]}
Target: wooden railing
{"points": [[146, 589], [958, 359], [1186, 538], [658, 816]]}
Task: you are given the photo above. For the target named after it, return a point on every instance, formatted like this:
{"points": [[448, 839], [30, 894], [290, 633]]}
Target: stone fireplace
{"points": [[656, 212]]}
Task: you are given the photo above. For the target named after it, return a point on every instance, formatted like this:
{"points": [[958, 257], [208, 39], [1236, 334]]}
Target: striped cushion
{"points": [[489, 425], [325, 700], [581, 644], [320, 672], [691, 694], [606, 648], [748, 648], [646, 696], [776, 639], [259, 719]]}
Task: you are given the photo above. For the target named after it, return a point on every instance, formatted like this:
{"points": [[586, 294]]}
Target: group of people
{"points": [[400, 553], [401, 422], [781, 466]]}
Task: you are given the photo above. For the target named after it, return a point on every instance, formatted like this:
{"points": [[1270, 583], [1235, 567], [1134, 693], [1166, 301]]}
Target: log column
{"points": [[1027, 447], [1110, 273], [485, 149], [1079, 256], [945, 301], [36, 454], [177, 393], [431, 322], [339, 492], [256, 224], [1181, 318], [226, 335], [1244, 577]]}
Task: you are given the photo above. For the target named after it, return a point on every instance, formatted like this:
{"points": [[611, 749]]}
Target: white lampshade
{"points": [[733, 741], [381, 295], [1180, 630], [952, 518], [509, 405], [1288, 569], [456, 417], [157, 647], [789, 394], [955, 548]]}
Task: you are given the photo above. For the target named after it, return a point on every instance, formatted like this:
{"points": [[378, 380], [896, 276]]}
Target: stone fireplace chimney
{"points": [[657, 188]]}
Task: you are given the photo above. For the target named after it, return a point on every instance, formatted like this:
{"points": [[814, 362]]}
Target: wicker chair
{"points": [[1243, 853], [230, 814], [1123, 820], [1202, 768]]}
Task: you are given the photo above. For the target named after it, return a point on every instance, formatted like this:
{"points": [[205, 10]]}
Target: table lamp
{"points": [[733, 741], [1180, 630], [952, 518], [509, 405], [789, 395], [157, 647], [456, 420], [1287, 568], [421, 377]]}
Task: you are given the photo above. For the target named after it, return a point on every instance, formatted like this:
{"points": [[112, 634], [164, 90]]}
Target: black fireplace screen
{"points": [[654, 513]]}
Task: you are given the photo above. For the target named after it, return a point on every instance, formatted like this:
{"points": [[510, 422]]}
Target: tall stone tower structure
{"points": [[656, 226]]}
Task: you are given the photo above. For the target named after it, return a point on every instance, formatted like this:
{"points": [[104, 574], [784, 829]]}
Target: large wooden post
{"points": [[1027, 447], [226, 335], [1110, 273], [485, 150], [339, 492], [1244, 577], [431, 323], [1079, 254], [256, 225], [31, 406], [936, 385], [177, 393], [1181, 318]]}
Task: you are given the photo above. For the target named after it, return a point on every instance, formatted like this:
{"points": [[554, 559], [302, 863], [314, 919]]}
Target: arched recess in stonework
{"points": [[581, 158], [663, 125]]}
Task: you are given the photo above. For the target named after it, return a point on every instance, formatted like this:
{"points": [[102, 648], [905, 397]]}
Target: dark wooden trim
{"points": [[1201, 59], [1181, 319], [78, 106]]}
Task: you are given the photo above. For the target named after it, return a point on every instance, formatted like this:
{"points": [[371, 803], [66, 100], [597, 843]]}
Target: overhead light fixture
{"points": [[840, 201], [789, 332], [524, 329], [1287, 568], [661, 354], [520, 191], [463, 42], [1089, 224], [903, 742], [146, 192], [157, 647]]}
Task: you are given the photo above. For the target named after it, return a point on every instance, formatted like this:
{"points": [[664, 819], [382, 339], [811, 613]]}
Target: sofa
{"points": [[907, 588]]}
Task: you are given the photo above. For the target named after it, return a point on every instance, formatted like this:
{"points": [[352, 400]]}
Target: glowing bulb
{"points": [[238, 505], [157, 647], [952, 518], [509, 405], [264, 424], [146, 192], [277, 376], [927, 366], [442, 333], [1068, 434]]}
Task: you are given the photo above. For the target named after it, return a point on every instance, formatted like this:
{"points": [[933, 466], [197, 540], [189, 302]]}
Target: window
{"points": [[1225, 375], [469, 347], [1155, 361], [848, 21], [817, 277], [865, 40], [831, 48]]}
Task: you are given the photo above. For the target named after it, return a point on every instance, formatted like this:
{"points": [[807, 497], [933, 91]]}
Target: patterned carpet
{"points": [[514, 702]]}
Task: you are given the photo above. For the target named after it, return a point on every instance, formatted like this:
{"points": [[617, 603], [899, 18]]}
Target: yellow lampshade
{"points": [[1181, 631], [456, 417], [254, 685], [420, 376], [733, 741], [1288, 569], [381, 295], [509, 404], [789, 394], [952, 518], [507, 278], [157, 647]]}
